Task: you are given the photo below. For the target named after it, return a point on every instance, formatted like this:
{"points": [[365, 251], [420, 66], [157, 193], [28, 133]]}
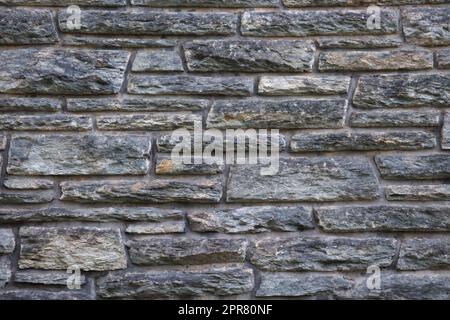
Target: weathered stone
{"points": [[360, 42], [250, 56], [303, 85], [132, 214], [401, 59], [3, 141], [27, 26], [363, 141], [435, 166], [322, 254], [58, 71], [63, 3], [166, 143], [151, 23], [325, 3], [29, 104], [136, 104], [305, 179], [58, 278], [32, 294], [318, 22], [207, 3], [277, 114], [7, 241], [418, 192], [91, 249], [184, 85], [156, 191], [166, 166], [403, 90], [46, 123], [443, 59], [79, 155], [379, 119], [445, 135], [156, 227], [426, 26], [224, 281], [117, 42], [28, 184], [384, 218], [186, 251], [301, 285], [251, 220], [157, 60], [5, 271], [20, 197], [424, 254], [153, 121]]}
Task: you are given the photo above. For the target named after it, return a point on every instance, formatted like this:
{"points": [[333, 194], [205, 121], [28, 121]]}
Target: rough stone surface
{"points": [[156, 227], [29, 105], [7, 241], [360, 42], [426, 27], [250, 56], [445, 135], [322, 254], [436, 166], [148, 122], [395, 119], [43, 295], [167, 166], [305, 179], [424, 254], [157, 60], [277, 114], [91, 249], [63, 3], [159, 252], [224, 281], [58, 71], [5, 271], [207, 3], [443, 59], [117, 42], [384, 218], [348, 141], [28, 184], [156, 191], [89, 154], [21, 197], [403, 90], [57, 278], [46, 123], [313, 3], [303, 85], [251, 220], [418, 193]]}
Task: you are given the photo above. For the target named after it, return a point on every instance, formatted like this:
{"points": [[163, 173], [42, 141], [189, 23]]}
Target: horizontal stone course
{"points": [[56, 278], [28, 184], [63, 3], [25, 197], [303, 85], [157, 60], [29, 104], [206, 3], [406, 118], [426, 26], [46, 123], [424, 254], [418, 192], [360, 42], [165, 165]]}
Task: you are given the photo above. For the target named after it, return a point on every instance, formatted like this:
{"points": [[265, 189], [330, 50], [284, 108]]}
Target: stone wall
{"points": [[86, 115]]}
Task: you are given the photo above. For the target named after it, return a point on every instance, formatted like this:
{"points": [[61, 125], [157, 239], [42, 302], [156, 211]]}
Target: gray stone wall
{"points": [[86, 182]]}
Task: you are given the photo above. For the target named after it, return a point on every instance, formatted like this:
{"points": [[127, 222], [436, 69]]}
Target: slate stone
{"points": [[27, 184], [443, 59], [29, 104], [152, 228], [91, 249], [322, 254], [250, 56], [62, 71], [170, 284], [407, 118], [251, 220], [166, 166], [117, 42], [7, 241], [56, 278], [384, 218], [207, 3], [305, 179], [435, 166], [365, 42], [445, 134], [424, 254], [63, 3], [5, 271], [3, 142], [79, 155], [426, 26], [325, 3], [157, 60], [46, 123], [362, 141], [155, 191], [418, 192], [186, 251], [402, 90], [21, 197], [277, 114], [340, 22], [27, 26], [33, 294]]}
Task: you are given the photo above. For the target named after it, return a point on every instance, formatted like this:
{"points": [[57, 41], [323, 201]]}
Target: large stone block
{"points": [[427, 26]]}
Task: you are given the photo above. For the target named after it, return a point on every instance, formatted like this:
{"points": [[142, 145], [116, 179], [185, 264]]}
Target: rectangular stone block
{"points": [[362, 141], [424, 254], [63, 3], [421, 167], [387, 60], [445, 134], [250, 56], [443, 59], [305, 179], [91, 249], [157, 60], [303, 85], [407, 118], [384, 218], [27, 184], [46, 123], [190, 85], [186, 251], [427, 26], [151, 23], [117, 42], [340, 22], [29, 105], [7, 241], [322, 254], [153, 228], [149, 122], [62, 71], [5, 271], [207, 3], [21, 197], [156, 191], [165, 165], [418, 192], [402, 90], [359, 42], [55, 278], [325, 3], [79, 155], [277, 114], [27, 26]]}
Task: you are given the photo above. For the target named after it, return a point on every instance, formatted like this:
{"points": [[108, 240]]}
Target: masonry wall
{"points": [[86, 116]]}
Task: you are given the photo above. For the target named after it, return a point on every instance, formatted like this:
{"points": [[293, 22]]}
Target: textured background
{"points": [[85, 122]]}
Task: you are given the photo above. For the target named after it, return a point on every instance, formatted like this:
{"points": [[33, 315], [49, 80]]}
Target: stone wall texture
{"points": [[86, 115]]}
